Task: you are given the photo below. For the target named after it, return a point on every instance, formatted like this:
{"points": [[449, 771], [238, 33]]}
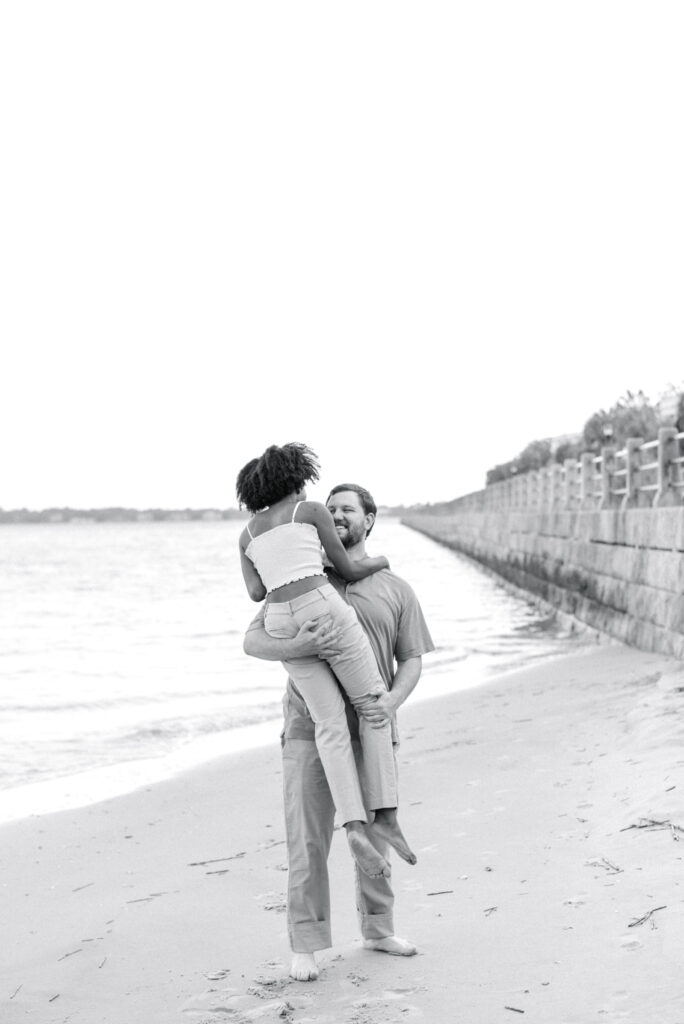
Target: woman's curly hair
{"points": [[275, 474]]}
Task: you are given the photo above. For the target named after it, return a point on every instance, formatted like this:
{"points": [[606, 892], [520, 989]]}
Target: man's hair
{"points": [[365, 497], [275, 474]]}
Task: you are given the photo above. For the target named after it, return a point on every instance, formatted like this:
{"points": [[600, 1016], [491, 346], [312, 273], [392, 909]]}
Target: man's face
{"points": [[351, 521]]}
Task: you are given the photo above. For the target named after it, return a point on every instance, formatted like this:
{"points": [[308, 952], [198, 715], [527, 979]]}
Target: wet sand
{"points": [[547, 812]]}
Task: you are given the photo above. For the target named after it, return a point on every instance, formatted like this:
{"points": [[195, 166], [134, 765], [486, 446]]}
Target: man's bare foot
{"points": [[303, 967], [386, 827], [391, 944], [364, 853]]}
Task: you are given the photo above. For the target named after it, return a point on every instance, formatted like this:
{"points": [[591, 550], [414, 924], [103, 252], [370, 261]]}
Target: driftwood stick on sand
{"points": [[642, 920], [216, 860], [72, 953]]}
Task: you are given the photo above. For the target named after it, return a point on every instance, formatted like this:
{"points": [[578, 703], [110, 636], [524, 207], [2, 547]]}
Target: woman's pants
{"points": [[356, 670]]}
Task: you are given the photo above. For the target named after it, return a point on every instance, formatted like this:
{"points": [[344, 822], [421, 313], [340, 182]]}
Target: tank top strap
{"points": [[250, 532], [294, 510]]}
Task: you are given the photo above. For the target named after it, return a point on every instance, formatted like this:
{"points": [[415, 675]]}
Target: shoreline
{"points": [[99, 783], [538, 884]]}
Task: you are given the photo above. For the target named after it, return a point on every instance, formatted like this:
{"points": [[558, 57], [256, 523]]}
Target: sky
{"points": [[414, 236]]}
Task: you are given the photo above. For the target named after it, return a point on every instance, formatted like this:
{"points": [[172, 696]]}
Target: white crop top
{"points": [[285, 553]]}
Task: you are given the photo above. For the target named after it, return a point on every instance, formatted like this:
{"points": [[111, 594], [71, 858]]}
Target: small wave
{"points": [[204, 725]]}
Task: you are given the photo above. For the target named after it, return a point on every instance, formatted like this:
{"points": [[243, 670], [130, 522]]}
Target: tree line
{"points": [[633, 415]]}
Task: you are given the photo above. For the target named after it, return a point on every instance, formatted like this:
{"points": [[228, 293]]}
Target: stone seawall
{"points": [[619, 571]]}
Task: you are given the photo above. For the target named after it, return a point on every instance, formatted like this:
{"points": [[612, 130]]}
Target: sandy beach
{"points": [[547, 811]]}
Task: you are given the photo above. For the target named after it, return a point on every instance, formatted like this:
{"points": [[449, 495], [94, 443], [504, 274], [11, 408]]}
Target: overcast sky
{"points": [[414, 236]]}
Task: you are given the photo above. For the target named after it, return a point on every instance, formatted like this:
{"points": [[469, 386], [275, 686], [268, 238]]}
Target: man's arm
{"points": [[407, 675], [313, 635]]}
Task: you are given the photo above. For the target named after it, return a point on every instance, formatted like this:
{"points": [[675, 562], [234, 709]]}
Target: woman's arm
{"points": [[255, 587], [349, 570]]}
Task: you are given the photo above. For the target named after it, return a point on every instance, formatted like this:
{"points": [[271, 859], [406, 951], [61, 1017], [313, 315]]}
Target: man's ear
{"points": [[369, 520]]}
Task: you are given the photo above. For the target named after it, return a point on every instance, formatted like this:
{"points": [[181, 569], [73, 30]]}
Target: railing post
{"points": [[631, 496], [667, 451], [586, 480], [570, 483], [607, 468]]}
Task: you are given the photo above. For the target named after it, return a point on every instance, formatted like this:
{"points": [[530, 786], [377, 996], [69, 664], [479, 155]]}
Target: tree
{"points": [[631, 416]]}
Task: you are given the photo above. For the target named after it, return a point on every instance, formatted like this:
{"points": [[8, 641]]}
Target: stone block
{"points": [[675, 617], [637, 526], [659, 569], [667, 530], [607, 526]]}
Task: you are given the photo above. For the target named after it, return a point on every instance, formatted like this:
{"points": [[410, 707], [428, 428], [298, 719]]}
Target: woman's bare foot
{"points": [[371, 862], [303, 967], [386, 827]]}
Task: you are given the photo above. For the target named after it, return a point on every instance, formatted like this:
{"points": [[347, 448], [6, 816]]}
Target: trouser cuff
{"points": [[307, 938], [376, 926]]}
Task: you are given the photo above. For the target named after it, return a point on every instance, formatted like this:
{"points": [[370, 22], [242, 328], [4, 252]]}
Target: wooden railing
{"points": [[640, 475]]}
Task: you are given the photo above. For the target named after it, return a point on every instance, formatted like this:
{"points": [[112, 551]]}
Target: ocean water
{"points": [[121, 650]]}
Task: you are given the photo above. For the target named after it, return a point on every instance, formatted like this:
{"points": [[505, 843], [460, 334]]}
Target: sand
{"points": [[547, 811]]}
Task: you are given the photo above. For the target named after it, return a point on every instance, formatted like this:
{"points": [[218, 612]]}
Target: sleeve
{"points": [[413, 635]]}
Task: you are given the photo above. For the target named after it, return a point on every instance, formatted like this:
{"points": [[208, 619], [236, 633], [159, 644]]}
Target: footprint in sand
{"points": [[575, 901], [630, 943], [237, 1009], [273, 901], [400, 993], [214, 1001], [219, 975]]}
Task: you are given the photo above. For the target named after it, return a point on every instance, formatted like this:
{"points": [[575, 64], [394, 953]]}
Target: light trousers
{"points": [[309, 817], [356, 670]]}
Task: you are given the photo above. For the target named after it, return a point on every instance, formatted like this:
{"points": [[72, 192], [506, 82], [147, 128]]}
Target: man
{"points": [[391, 616]]}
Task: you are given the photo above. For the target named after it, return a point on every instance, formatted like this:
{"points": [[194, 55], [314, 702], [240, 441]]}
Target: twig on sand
{"points": [[653, 823], [490, 910], [216, 860], [646, 823], [440, 892], [102, 964], [603, 862], [514, 1009], [72, 953], [642, 920], [15, 992], [52, 998]]}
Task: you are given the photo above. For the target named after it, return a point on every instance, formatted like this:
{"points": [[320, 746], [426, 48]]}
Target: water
{"points": [[121, 650]]}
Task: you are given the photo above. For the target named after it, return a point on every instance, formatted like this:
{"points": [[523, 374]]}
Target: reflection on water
{"points": [[123, 641]]}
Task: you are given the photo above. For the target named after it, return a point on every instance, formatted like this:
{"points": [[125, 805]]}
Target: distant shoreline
{"points": [[10, 517], [117, 515]]}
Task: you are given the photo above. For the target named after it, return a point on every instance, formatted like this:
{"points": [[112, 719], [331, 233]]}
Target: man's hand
{"points": [[317, 637], [380, 711]]}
